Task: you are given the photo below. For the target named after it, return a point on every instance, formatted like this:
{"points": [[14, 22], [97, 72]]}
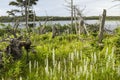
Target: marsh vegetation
{"points": [[75, 51]]}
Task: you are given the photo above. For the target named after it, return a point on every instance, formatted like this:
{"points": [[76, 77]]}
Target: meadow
{"points": [[65, 57]]}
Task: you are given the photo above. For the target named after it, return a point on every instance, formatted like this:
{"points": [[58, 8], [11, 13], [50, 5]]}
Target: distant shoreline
{"points": [[54, 18]]}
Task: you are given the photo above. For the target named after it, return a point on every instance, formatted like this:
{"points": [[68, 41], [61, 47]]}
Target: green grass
{"points": [[66, 57]]}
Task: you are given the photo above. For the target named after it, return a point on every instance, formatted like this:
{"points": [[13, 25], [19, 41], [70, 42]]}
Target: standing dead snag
{"points": [[101, 30], [54, 31], [71, 6], [82, 26], [75, 18], [42, 29], [71, 15]]}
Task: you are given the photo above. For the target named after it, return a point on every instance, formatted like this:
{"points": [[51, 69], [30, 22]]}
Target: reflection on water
{"points": [[111, 25]]}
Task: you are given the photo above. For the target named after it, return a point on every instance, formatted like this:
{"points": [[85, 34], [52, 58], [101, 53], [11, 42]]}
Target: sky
{"points": [[58, 7]]}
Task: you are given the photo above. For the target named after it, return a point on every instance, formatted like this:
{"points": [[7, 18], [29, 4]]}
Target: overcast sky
{"points": [[58, 8]]}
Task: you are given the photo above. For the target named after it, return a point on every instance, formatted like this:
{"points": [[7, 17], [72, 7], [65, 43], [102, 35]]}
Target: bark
{"points": [[26, 13], [42, 30], [75, 18], [101, 30], [15, 47], [81, 25], [82, 29], [71, 15], [54, 31]]}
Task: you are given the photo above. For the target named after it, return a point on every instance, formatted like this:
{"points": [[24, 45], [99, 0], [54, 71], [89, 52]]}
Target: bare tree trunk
{"points": [[26, 20], [34, 25], [34, 18], [101, 30], [26, 13], [75, 18], [81, 27], [86, 31], [54, 31], [71, 15]]}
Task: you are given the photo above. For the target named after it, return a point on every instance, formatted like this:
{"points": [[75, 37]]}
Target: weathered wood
{"points": [[86, 31], [72, 15], [81, 26], [15, 47], [75, 18], [42, 30], [82, 29], [54, 31], [101, 29], [15, 28], [26, 14]]}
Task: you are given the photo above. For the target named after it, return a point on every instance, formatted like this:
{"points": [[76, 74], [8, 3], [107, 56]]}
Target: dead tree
{"points": [[82, 26], [71, 7], [13, 30], [75, 18], [54, 31], [42, 29], [72, 15], [15, 47], [101, 29], [26, 14]]}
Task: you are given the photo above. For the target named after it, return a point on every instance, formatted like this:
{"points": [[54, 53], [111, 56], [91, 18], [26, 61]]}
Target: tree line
{"points": [[54, 18]]}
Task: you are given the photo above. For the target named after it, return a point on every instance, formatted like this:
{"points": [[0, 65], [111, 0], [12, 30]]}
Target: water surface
{"points": [[111, 25]]}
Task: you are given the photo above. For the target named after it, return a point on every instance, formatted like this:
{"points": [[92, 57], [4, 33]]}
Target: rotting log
{"points": [[15, 47], [101, 29]]}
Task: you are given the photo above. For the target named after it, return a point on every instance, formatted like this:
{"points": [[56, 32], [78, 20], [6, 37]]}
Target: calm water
{"points": [[111, 25]]}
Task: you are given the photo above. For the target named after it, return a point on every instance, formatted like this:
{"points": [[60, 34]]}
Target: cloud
{"points": [[58, 8]]}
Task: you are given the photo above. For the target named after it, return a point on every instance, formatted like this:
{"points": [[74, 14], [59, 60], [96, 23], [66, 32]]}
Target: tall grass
{"points": [[66, 57], [96, 66]]}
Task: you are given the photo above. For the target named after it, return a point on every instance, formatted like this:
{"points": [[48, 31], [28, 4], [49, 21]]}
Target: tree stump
{"points": [[15, 48], [101, 29]]}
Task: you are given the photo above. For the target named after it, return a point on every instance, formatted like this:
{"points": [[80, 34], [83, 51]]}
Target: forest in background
{"points": [[53, 18]]}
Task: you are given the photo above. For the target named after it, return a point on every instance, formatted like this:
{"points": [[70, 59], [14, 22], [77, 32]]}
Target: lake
{"points": [[111, 25]]}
